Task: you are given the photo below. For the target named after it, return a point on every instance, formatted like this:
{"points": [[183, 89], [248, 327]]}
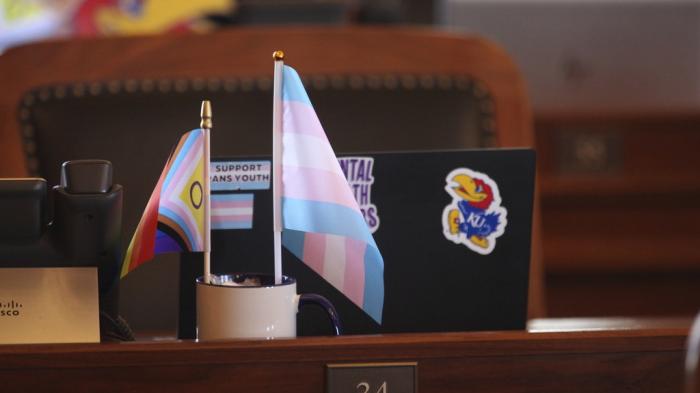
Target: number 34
{"points": [[363, 387]]}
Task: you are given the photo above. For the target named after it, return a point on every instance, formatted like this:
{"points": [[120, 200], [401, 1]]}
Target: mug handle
{"points": [[326, 305]]}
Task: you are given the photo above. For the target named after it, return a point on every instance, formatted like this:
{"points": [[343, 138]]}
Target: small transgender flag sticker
{"points": [[231, 211]]}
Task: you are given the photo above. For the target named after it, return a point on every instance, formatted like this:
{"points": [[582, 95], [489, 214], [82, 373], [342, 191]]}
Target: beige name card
{"points": [[372, 377], [49, 305]]}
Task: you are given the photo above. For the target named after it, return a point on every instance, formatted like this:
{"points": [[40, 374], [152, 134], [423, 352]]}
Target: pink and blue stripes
{"points": [[323, 225], [232, 211]]}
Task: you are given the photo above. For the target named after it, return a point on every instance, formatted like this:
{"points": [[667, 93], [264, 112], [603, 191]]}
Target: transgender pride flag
{"points": [[232, 211], [322, 223]]}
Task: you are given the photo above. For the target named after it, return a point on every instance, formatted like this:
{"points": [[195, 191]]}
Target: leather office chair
{"points": [[398, 88]]}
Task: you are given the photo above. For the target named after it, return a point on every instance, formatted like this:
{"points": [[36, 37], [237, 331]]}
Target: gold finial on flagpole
{"points": [[278, 55], [206, 115]]}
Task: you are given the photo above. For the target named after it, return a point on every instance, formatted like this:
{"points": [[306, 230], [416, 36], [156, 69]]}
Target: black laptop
{"points": [[453, 228]]}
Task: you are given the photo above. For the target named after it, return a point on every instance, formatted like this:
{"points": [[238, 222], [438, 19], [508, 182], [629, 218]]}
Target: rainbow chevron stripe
{"points": [[322, 223], [174, 217]]}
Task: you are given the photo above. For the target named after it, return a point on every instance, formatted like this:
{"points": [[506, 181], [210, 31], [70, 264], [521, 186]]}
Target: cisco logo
{"points": [[10, 309]]}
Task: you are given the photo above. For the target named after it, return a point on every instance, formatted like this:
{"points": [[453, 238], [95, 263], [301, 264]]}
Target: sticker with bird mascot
{"points": [[475, 217]]}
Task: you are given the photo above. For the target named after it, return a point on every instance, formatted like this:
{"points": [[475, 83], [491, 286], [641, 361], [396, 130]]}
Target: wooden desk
{"points": [[645, 360]]}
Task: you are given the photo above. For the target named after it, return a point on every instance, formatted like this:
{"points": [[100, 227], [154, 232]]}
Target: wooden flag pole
{"points": [[206, 125], [278, 56]]}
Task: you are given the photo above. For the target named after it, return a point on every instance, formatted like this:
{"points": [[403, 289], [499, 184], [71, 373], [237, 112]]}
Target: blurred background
{"points": [[614, 87], [599, 55]]}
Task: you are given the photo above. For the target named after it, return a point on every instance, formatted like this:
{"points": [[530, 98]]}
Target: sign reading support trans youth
{"points": [[240, 175]]}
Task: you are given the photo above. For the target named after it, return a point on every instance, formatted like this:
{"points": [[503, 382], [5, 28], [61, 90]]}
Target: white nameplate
{"points": [[49, 305]]}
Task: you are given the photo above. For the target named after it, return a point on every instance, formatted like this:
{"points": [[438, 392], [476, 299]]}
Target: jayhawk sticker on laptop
{"points": [[475, 218]]}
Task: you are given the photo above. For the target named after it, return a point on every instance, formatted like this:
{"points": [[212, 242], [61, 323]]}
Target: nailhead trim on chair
{"points": [[485, 103]]}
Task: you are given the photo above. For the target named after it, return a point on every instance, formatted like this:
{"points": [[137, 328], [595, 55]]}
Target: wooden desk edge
{"points": [[344, 348]]}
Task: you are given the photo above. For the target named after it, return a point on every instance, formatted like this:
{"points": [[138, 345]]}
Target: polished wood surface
{"points": [[646, 360]]}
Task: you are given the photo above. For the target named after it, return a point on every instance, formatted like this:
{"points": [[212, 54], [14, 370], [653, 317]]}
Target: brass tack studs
{"points": [[391, 82], [147, 85]]}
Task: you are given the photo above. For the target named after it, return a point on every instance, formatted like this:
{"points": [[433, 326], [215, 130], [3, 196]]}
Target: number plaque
{"points": [[372, 378]]}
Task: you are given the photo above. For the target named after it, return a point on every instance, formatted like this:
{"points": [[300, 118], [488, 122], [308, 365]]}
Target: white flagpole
{"points": [[278, 56], [206, 125]]}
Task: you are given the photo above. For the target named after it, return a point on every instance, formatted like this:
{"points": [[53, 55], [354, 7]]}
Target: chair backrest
{"points": [[127, 99]]}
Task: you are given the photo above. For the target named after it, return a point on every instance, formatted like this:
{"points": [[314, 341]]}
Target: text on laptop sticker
{"points": [[358, 172], [475, 217]]}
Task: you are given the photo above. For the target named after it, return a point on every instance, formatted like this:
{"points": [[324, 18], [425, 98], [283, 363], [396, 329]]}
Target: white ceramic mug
{"points": [[226, 308]]}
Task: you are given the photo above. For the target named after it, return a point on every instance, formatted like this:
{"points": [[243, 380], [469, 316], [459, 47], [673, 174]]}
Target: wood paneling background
{"points": [[620, 199]]}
